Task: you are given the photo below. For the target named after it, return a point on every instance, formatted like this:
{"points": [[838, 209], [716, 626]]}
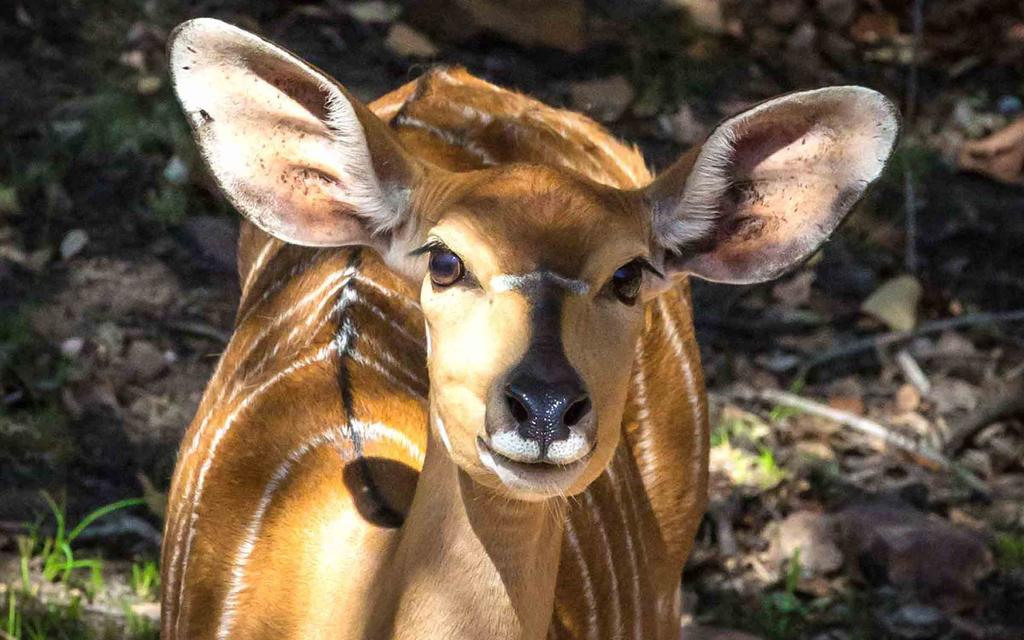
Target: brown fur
{"points": [[327, 564], [326, 490]]}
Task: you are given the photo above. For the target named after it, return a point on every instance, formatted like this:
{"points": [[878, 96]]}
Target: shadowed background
{"points": [[868, 459]]}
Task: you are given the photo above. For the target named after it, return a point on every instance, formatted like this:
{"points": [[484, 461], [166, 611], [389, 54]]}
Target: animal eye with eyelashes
{"points": [[626, 281], [446, 268]]}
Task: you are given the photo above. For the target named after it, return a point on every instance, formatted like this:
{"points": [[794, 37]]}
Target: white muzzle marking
{"points": [[515, 447]]}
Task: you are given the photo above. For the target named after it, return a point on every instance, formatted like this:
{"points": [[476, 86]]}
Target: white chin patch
{"points": [[531, 481], [569, 450], [515, 447]]}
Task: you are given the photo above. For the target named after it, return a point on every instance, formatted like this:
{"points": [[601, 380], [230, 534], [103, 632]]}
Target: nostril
{"points": [[519, 411], [576, 411]]}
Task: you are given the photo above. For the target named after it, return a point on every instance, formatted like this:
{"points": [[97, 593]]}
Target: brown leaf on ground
{"points": [[999, 156]]}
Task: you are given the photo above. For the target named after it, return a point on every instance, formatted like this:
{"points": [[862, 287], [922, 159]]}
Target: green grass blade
{"points": [[58, 515], [102, 511]]}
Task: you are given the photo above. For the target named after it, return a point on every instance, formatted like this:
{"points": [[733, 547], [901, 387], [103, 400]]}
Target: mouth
{"points": [[532, 480]]}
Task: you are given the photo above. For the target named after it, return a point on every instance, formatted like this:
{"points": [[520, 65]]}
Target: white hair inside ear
{"points": [[292, 149], [769, 185]]}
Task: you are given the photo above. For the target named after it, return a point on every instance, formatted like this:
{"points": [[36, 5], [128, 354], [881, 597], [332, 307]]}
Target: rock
{"points": [[683, 126], [898, 545], [558, 25], [915, 621], [605, 98], [1009, 105], [144, 361], [109, 339], [148, 610], [706, 15], [700, 632], [71, 347], [373, 11], [407, 42], [979, 462], [813, 536], [785, 13], [837, 48], [73, 243], [120, 287], [803, 38], [794, 291], [953, 394], [176, 171], [951, 343], [837, 13], [215, 239]]}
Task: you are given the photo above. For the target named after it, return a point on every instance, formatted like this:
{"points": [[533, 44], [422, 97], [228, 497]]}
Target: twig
{"points": [[856, 347], [201, 330], [870, 428], [913, 372], [13, 527], [909, 112]]}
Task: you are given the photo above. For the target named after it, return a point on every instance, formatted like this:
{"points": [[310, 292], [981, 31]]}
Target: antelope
{"points": [[463, 398]]}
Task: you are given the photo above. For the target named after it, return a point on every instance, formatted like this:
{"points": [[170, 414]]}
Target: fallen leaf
{"points": [[999, 156], [73, 243], [407, 42], [895, 303], [373, 11]]}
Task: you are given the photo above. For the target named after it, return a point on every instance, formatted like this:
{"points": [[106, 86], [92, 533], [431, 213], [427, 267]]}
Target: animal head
{"points": [[532, 279]]}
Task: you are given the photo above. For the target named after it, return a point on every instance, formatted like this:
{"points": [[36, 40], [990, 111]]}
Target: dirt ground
{"points": [[118, 288]]}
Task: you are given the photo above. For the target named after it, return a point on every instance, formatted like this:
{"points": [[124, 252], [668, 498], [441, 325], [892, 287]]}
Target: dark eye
{"points": [[626, 282], [445, 267]]}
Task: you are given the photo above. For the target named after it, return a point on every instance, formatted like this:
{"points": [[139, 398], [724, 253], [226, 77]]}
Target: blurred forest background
{"points": [[868, 459]]}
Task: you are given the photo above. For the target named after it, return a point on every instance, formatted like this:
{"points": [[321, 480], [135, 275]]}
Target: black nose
{"points": [[545, 409]]}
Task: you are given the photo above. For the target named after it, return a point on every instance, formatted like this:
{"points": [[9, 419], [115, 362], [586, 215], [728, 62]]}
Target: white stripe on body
{"points": [[367, 431], [323, 354], [638, 619], [588, 585], [609, 562]]}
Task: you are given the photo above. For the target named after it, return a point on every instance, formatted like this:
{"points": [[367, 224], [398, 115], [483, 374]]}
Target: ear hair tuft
{"points": [[360, 188]]}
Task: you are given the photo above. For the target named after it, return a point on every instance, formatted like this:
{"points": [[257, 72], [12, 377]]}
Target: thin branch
{"points": [[879, 340], [201, 330], [870, 428]]}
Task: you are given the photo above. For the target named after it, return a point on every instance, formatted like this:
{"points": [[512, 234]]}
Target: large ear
{"points": [[293, 151], [770, 185]]}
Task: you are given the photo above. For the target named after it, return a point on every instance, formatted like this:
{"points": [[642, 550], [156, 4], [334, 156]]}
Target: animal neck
{"points": [[472, 563]]}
